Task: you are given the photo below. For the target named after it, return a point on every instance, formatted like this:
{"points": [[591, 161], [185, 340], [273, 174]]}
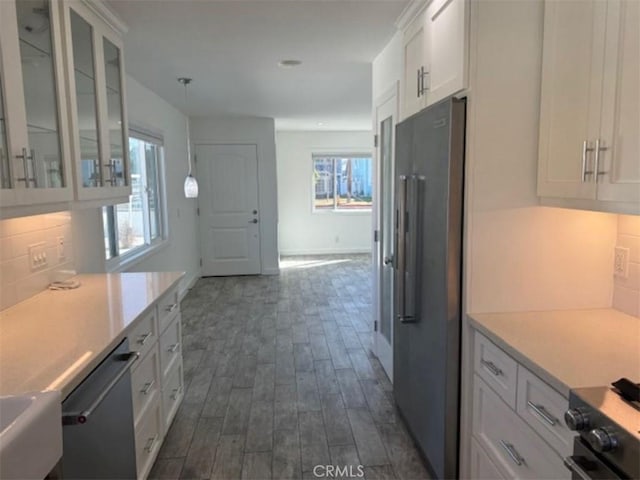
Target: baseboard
{"points": [[325, 251], [188, 285], [271, 271]]}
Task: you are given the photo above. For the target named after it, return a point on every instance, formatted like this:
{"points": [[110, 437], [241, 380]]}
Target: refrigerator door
{"points": [[429, 198]]}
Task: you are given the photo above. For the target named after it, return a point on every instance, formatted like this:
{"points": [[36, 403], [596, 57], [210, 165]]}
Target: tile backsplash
{"points": [[626, 291], [19, 278]]}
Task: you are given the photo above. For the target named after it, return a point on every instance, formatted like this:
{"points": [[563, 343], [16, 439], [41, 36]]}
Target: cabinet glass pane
{"points": [[44, 163], [84, 73], [4, 154], [114, 107]]}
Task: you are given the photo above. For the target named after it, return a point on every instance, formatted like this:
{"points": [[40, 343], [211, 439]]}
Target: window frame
{"points": [[119, 262], [340, 153]]}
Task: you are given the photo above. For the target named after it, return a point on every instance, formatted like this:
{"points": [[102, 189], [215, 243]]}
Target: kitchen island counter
{"points": [[53, 340], [568, 349]]}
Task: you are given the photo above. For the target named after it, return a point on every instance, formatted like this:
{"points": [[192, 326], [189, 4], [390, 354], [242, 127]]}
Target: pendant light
{"points": [[190, 182]]}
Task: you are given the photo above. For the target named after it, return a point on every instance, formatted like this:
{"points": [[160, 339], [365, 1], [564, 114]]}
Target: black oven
{"points": [[585, 464]]}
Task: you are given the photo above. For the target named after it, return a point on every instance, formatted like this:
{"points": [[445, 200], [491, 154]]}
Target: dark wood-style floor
{"points": [[280, 377]]}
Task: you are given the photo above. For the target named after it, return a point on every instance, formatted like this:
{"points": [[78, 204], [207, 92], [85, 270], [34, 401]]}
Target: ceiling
{"points": [[231, 49]]}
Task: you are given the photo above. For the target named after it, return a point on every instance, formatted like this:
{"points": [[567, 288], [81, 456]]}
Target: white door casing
{"points": [[386, 115], [229, 209]]}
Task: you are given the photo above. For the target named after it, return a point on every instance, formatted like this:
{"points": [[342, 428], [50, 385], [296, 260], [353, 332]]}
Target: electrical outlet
{"points": [[38, 256], [61, 251], [621, 262]]}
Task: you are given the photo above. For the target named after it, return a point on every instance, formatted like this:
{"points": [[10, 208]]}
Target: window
{"points": [[138, 224], [342, 182]]}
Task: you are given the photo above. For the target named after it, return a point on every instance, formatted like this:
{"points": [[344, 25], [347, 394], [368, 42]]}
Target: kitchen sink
{"points": [[30, 435]]}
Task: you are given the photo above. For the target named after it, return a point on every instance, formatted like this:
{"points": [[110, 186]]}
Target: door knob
{"points": [[255, 212], [388, 260], [255, 220]]}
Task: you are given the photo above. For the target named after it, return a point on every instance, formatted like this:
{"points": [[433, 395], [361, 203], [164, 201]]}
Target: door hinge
{"points": [[376, 235], [375, 325], [375, 140], [198, 211], [200, 262]]}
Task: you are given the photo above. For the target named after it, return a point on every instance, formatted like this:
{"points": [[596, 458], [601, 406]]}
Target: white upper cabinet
{"points": [[34, 147], [435, 53], [589, 146], [97, 105]]}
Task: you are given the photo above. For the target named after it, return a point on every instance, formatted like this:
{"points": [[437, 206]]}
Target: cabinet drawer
{"points": [[168, 306], [148, 438], [509, 441], [172, 393], [145, 383], [144, 334], [543, 408], [482, 467], [170, 345], [496, 368]]}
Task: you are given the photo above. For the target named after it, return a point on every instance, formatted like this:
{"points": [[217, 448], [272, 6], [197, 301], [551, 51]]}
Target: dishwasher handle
{"points": [[74, 418]]}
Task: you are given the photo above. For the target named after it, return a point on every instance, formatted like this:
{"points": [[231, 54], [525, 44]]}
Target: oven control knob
{"points": [[576, 420], [601, 440]]}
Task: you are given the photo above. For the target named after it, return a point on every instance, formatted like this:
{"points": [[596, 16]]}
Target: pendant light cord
{"points": [[186, 105]]}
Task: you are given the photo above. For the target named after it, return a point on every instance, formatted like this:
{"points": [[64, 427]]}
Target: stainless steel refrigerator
{"points": [[427, 302]]}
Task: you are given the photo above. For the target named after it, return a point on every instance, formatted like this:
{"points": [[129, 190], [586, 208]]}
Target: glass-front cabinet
{"points": [[35, 166], [97, 107]]}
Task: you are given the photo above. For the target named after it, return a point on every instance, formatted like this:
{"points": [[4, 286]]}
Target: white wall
{"points": [[520, 256], [303, 232], [181, 253], [260, 132]]}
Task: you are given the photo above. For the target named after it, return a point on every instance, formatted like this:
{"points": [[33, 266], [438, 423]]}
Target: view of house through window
{"points": [[137, 224], [342, 182]]}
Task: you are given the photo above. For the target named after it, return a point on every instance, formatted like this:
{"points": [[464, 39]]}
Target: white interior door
{"points": [[386, 117], [229, 215]]}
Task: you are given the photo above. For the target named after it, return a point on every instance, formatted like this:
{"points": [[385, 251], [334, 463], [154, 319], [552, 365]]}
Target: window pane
{"points": [[151, 156], [342, 182], [353, 183], [323, 183]]}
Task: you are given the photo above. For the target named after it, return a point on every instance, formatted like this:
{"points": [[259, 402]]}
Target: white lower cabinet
{"points": [[517, 432], [157, 379], [149, 434], [482, 466]]}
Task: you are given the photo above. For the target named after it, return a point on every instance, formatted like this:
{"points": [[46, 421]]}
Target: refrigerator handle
{"points": [[401, 251], [410, 200]]}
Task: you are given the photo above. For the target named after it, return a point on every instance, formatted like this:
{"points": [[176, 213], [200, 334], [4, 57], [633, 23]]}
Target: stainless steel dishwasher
{"points": [[97, 418]]}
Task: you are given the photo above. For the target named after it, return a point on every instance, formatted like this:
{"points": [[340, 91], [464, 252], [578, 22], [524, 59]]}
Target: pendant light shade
{"points": [[190, 182], [190, 186]]}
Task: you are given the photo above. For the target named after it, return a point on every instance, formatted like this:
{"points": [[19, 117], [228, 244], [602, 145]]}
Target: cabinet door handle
{"points": [[512, 452], [596, 168], [171, 308], [418, 77], [150, 444], [143, 338], [585, 149], [174, 347], [25, 165], [147, 387], [176, 393], [424, 88], [491, 367], [542, 412]]}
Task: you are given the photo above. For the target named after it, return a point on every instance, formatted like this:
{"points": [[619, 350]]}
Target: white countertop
{"points": [[54, 339], [568, 349]]}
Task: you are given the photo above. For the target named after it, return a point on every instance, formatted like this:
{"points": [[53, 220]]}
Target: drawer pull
{"points": [[174, 347], [143, 338], [171, 308], [512, 452], [542, 412], [147, 387], [151, 443], [176, 393], [491, 367]]}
